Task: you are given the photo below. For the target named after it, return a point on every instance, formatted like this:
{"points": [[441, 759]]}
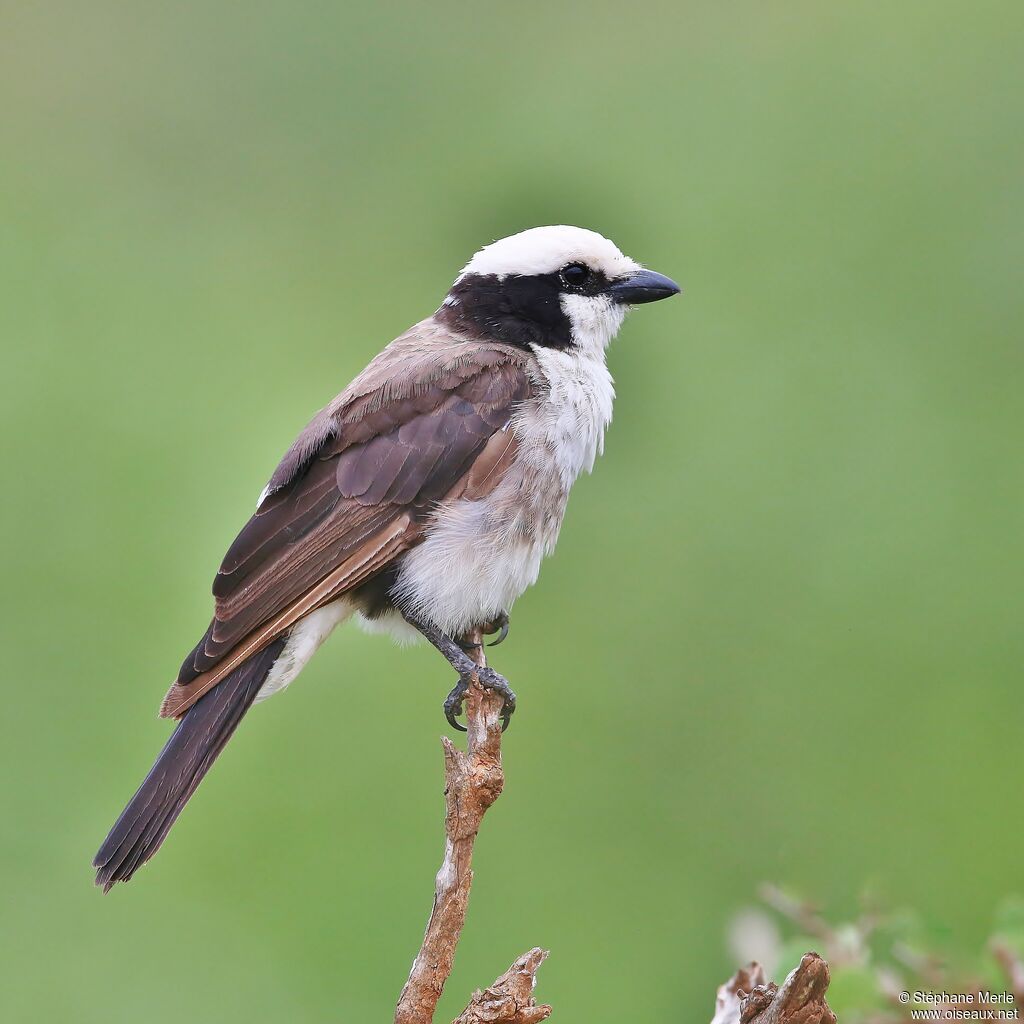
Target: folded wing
{"points": [[426, 418]]}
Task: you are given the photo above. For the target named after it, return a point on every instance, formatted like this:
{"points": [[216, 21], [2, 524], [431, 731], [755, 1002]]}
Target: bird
{"points": [[420, 501]]}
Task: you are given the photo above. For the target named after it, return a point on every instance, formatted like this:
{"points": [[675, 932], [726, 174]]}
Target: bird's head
{"points": [[555, 287]]}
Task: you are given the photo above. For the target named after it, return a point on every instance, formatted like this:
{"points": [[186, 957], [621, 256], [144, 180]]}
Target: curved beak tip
{"points": [[643, 286]]}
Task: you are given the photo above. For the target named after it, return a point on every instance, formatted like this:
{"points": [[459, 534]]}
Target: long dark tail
{"points": [[185, 759]]}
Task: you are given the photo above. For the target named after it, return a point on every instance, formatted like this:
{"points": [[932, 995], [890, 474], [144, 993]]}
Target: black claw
{"points": [[453, 704], [502, 633], [499, 626], [508, 709], [490, 680], [454, 722]]}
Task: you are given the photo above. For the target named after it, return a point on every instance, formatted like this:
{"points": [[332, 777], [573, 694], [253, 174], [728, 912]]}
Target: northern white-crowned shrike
{"points": [[420, 500]]}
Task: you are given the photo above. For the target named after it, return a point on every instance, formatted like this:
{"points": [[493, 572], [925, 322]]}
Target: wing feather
{"points": [[425, 420]]}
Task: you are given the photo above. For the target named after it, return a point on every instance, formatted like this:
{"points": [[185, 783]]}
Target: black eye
{"points": [[574, 275]]}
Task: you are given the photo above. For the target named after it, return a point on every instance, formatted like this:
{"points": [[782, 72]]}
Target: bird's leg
{"points": [[467, 668], [452, 651]]}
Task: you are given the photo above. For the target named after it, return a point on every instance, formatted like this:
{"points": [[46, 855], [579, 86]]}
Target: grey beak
{"points": [[643, 286]]}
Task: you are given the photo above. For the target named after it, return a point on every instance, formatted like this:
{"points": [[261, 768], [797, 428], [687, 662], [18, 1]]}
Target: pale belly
{"points": [[476, 560], [480, 556]]}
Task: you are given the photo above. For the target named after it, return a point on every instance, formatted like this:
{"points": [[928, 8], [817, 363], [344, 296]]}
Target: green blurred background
{"points": [[781, 635]]}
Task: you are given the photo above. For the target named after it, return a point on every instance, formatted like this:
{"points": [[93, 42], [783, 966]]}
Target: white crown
{"points": [[548, 249]]}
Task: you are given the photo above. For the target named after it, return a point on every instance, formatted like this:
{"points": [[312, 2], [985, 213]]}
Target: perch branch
{"points": [[473, 781]]}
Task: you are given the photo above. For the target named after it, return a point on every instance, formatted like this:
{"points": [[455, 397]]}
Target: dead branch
{"points": [[510, 999], [729, 1001], [748, 999], [473, 781]]}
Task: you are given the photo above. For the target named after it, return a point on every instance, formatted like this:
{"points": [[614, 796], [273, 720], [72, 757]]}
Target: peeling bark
{"points": [[510, 999], [747, 998]]}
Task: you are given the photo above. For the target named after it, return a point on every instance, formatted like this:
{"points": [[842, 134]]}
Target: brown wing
{"points": [[425, 419]]}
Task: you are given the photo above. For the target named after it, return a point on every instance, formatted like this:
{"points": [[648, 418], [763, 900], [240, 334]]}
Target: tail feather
{"points": [[185, 759]]}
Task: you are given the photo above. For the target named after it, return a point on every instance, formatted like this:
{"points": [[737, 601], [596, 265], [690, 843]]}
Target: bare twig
{"points": [[800, 999], [510, 999], [473, 781], [729, 1000]]}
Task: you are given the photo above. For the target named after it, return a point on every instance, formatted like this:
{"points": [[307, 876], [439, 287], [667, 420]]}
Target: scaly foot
{"points": [[465, 666], [489, 680]]}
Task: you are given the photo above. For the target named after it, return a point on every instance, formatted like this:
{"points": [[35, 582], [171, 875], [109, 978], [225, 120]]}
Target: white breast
{"points": [[479, 556], [568, 424]]}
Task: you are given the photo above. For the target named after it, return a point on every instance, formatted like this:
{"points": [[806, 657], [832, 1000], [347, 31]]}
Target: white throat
{"points": [[595, 320]]}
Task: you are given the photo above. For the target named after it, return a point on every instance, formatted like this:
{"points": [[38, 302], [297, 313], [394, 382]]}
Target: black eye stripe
{"points": [[518, 310]]}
